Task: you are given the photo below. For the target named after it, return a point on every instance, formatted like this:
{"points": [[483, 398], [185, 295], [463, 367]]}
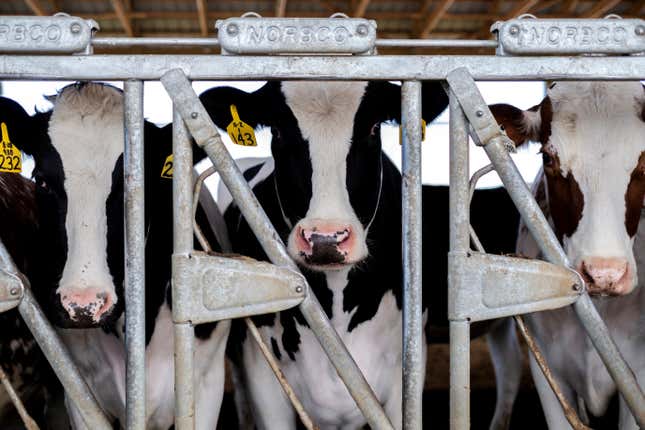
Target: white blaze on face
{"points": [[86, 128], [325, 112], [598, 136]]}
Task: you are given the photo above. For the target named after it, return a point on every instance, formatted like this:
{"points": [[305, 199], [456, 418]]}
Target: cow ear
{"points": [[25, 132], [520, 126], [253, 108], [384, 100]]}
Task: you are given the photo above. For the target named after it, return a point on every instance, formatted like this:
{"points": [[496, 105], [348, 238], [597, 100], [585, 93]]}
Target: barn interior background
{"points": [[407, 19]]}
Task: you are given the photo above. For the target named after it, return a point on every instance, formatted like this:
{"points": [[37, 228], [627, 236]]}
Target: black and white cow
{"points": [[20, 357], [335, 199], [79, 188], [593, 147]]}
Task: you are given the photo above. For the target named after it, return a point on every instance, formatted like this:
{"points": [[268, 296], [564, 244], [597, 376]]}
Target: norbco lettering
{"points": [[296, 35], [572, 36], [34, 33]]}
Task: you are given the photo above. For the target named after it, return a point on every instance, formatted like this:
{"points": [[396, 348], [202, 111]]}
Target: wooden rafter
{"points": [[36, 7], [119, 9], [636, 8], [280, 8], [569, 7], [433, 19], [201, 15], [524, 6], [361, 7], [600, 9]]}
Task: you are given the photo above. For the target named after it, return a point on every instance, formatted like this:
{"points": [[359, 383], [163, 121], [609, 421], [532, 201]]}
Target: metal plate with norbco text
{"points": [[570, 36], [45, 34], [296, 35]]}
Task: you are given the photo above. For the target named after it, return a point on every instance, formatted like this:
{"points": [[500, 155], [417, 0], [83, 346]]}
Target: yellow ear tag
{"points": [[423, 132], [10, 156], [166, 170], [240, 132]]}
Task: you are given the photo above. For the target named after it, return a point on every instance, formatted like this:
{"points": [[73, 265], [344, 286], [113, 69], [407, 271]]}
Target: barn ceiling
{"points": [[460, 19]]}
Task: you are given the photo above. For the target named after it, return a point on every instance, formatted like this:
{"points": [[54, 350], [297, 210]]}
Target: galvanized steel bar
{"points": [[207, 136], [380, 67], [459, 244], [135, 308], [413, 339], [183, 245]]}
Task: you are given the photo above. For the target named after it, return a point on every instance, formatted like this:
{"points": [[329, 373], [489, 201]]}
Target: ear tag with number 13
{"points": [[10, 156], [240, 132]]}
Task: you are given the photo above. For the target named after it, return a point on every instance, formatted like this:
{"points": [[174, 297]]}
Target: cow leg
{"points": [[553, 413], [271, 408], [507, 361]]}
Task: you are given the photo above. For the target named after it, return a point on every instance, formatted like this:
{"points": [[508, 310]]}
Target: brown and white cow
{"points": [[592, 137]]}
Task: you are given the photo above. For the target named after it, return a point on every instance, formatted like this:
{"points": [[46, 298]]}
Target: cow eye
{"points": [[547, 158], [376, 129], [40, 181], [275, 133]]}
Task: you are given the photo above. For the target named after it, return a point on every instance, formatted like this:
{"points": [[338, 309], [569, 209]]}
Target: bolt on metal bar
{"points": [[413, 339], [183, 245], [135, 329], [463, 87], [207, 136], [459, 243]]}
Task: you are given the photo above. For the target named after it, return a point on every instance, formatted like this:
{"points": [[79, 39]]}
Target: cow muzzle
{"points": [[325, 244], [607, 276], [86, 307]]}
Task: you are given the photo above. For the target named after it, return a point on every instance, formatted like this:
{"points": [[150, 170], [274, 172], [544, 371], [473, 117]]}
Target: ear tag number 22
{"points": [[10, 156], [240, 132], [166, 170]]}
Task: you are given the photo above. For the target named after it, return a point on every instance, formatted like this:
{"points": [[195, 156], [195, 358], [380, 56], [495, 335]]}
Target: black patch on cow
{"points": [[251, 172], [276, 349]]}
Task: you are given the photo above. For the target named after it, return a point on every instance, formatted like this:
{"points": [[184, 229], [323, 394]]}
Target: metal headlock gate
{"points": [[528, 49]]}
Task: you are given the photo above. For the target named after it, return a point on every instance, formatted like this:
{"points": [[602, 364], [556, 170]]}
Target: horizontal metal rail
{"points": [[381, 67]]}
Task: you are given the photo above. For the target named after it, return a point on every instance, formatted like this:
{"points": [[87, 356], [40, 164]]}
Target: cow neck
{"points": [[288, 222]]}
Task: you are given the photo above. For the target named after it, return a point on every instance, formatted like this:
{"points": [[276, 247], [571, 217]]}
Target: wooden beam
{"points": [[36, 7], [636, 8], [433, 19], [280, 8], [361, 7], [201, 14], [119, 9], [522, 7], [600, 9], [569, 7]]}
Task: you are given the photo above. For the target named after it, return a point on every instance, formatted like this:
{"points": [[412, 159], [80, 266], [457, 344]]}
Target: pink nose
{"points": [[607, 276], [324, 243], [87, 305]]}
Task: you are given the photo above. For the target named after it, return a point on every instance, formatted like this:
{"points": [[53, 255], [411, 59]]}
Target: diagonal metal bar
{"points": [[206, 135], [487, 132]]}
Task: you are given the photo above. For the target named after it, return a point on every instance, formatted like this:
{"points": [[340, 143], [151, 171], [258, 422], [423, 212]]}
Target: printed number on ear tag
{"points": [[10, 156], [240, 132], [166, 170], [423, 132]]}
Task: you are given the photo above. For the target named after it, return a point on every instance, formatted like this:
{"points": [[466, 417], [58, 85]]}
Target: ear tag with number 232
{"points": [[166, 170], [10, 156], [240, 132]]}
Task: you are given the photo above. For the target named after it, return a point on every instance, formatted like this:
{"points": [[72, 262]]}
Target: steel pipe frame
{"points": [[413, 338], [134, 204], [381, 67]]}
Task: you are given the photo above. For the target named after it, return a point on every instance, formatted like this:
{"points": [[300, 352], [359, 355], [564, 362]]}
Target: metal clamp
{"points": [[60, 34], [252, 35], [493, 286], [12, 289], [211, 288], [609, 36]]}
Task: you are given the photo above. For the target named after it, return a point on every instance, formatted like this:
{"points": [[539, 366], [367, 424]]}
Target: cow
{"points": [[334, 198], [20, 357], [592, 137], [79, 179]]}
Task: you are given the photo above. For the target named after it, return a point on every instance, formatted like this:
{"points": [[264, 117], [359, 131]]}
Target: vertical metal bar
{"points": [[584, 307], [459, 244], [135, 329], [207, 136], [413, 363], [183, 245]]}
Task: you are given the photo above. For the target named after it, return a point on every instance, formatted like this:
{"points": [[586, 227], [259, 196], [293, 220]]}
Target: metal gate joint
{"points": [[12, 288]]}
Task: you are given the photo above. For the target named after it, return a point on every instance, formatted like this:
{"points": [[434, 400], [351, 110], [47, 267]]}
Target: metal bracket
{"points": [[210, 288], [60, 34], [254, 35], [492, 286], [11, 290], [609, 36]]}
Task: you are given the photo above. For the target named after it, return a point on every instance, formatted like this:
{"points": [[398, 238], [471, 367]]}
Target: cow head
{"points": [[592, 137], [328, 161]]}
